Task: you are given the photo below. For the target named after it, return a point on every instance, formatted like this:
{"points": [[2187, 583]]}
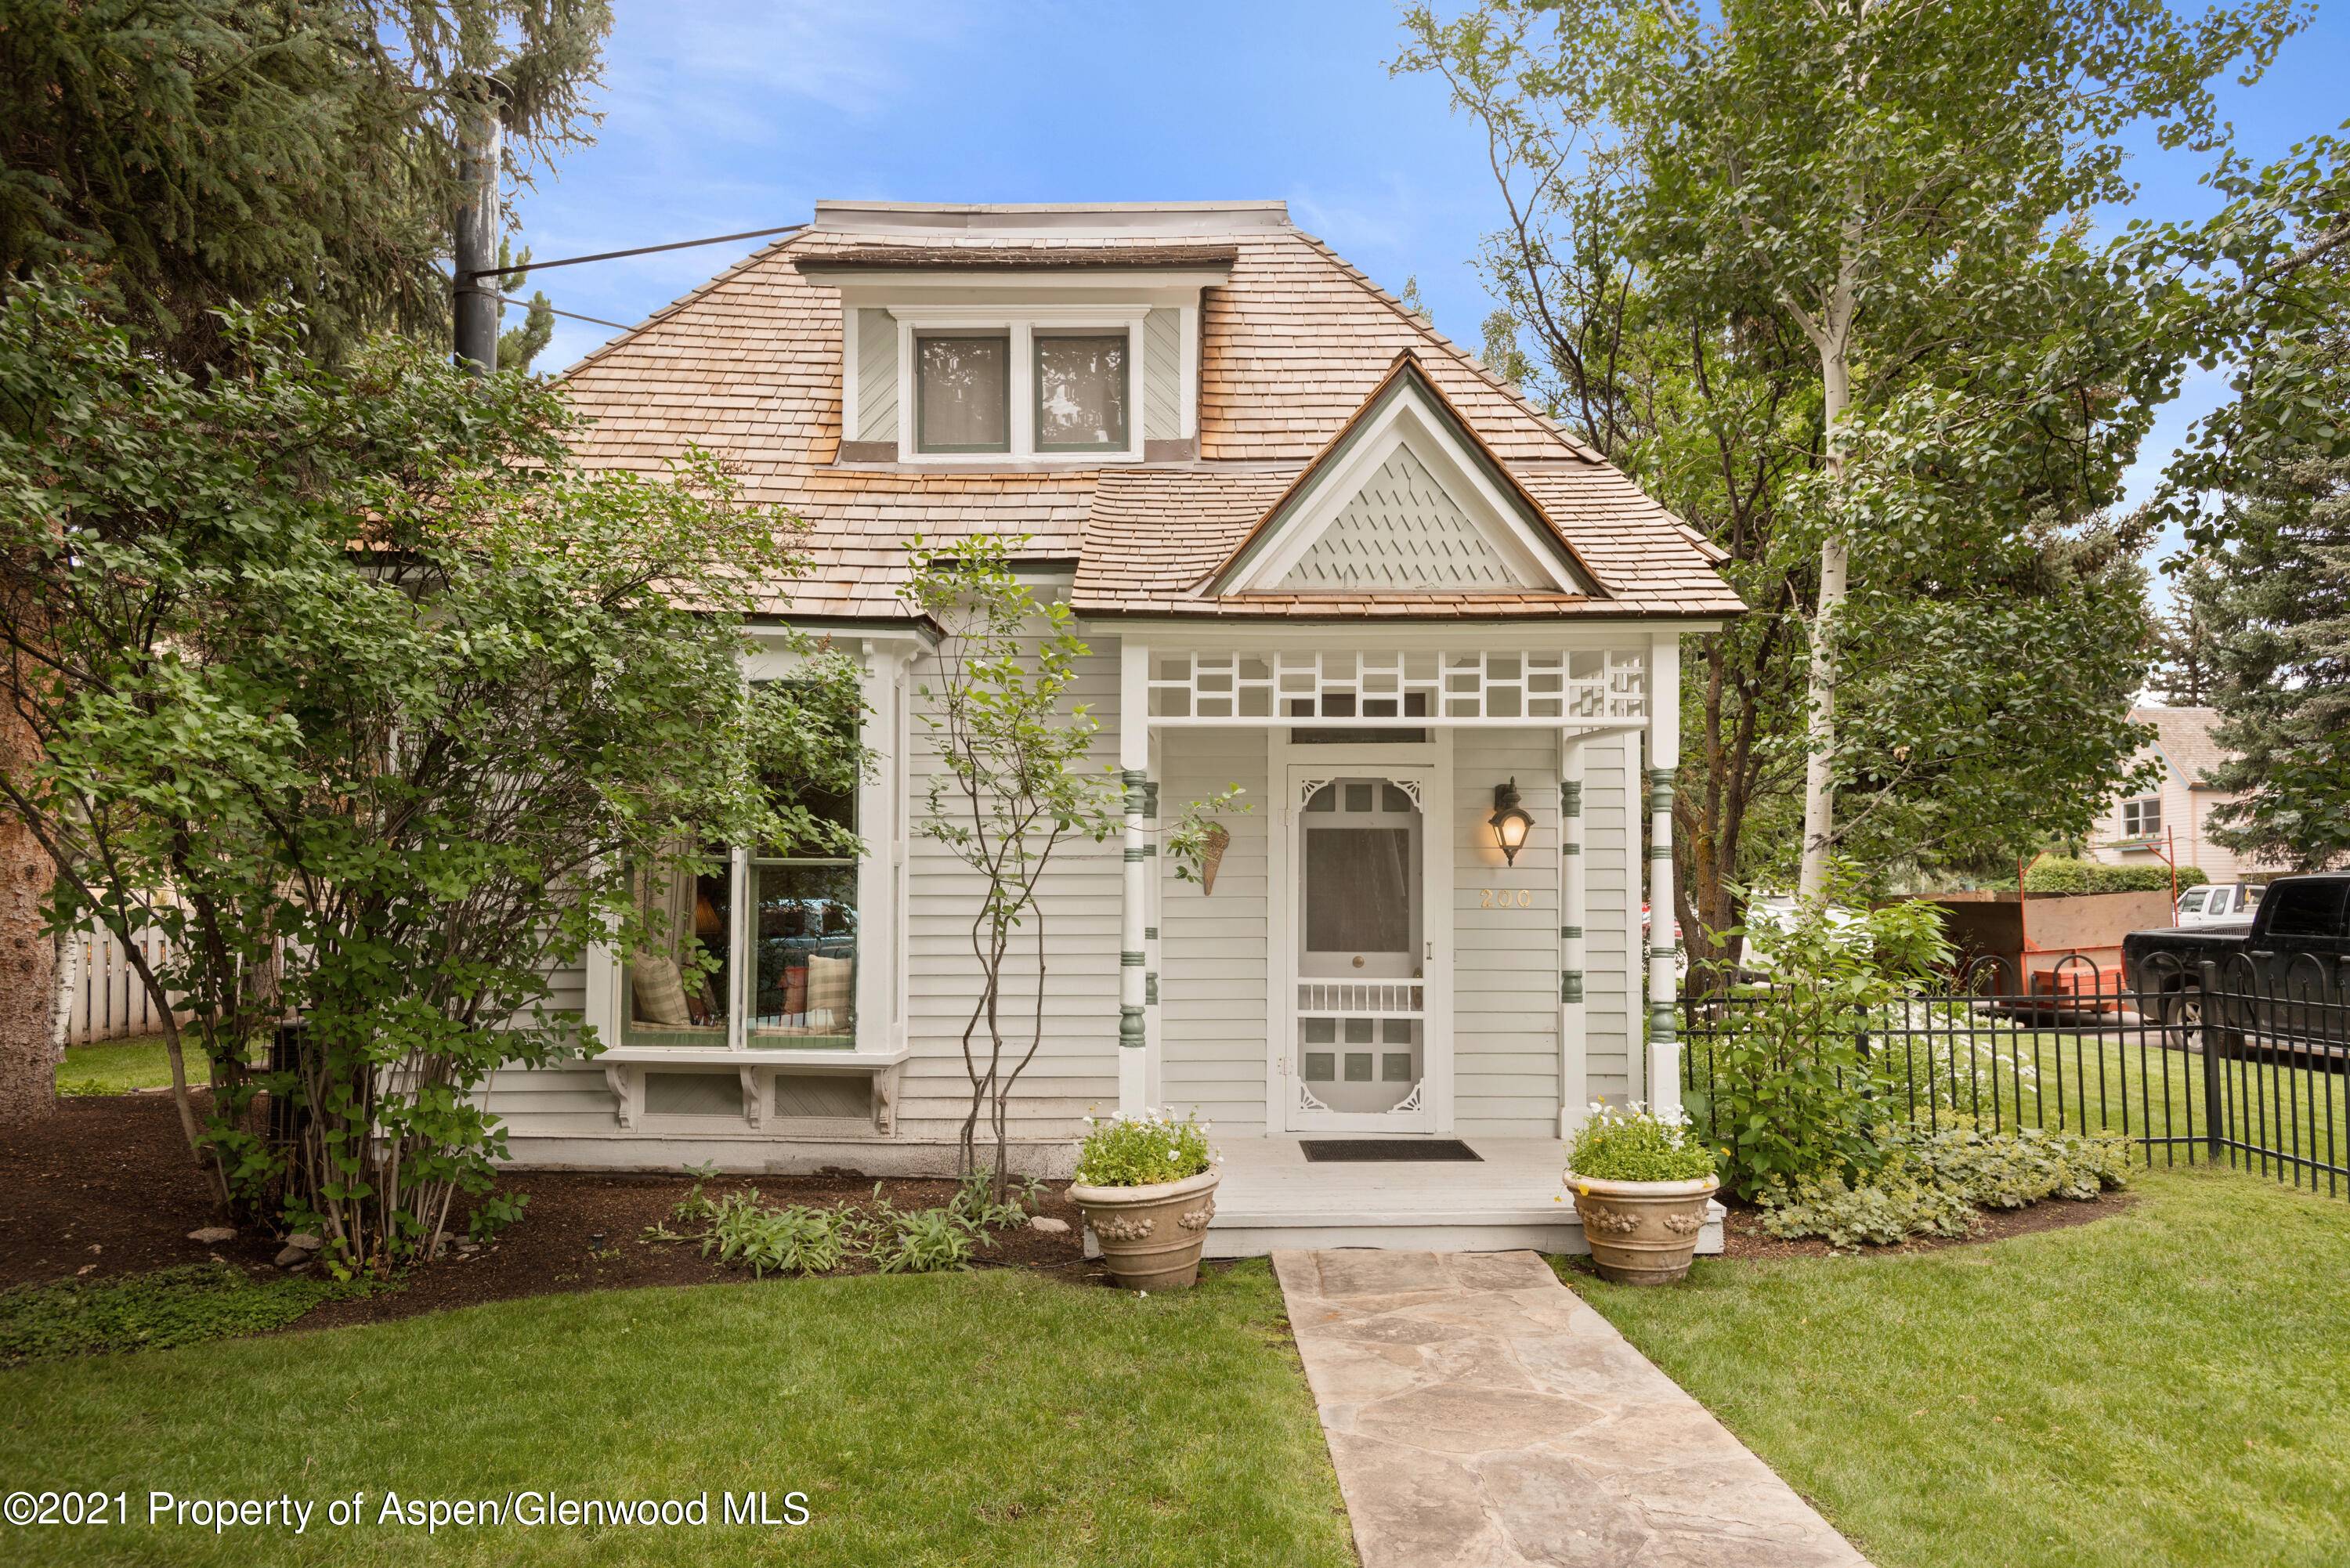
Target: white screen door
{"points": [[1359, 1046]]}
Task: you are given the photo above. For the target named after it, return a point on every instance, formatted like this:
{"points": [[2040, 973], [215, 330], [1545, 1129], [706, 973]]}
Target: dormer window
{"points": [[1037, 383], [962, 392], [1081, 392]]}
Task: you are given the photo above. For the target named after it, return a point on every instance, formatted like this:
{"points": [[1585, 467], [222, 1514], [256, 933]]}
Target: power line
{"points": [[571, 314], [639, 250]]}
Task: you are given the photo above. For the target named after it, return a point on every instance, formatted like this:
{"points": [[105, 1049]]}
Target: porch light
{"points": [[1509, 822]]}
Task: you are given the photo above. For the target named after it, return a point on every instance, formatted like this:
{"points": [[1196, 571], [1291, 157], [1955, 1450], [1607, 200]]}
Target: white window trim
{"points": [[2124, 814], [1020, 325], [882, 816]]}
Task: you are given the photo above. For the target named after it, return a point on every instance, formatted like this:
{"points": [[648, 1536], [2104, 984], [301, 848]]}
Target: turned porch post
{"points": [[1574, 1061], [1664, 754], [1134, 772]]}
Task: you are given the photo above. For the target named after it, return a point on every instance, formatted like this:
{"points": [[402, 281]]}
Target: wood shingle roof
{"points": [[1292, 345]]}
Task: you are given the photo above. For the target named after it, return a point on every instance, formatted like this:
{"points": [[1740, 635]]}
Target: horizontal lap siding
{"points": [[1075, 1068], [1213, 947], [1505, 1003], [1611, 916]]}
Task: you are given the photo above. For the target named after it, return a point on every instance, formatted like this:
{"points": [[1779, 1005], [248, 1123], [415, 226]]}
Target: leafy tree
{"points": [[353, 681], [202, 153], [1818, 276], [1012, 790]]}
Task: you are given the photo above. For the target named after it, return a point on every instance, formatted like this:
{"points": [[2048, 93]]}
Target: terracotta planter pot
{"points": [[1641, 1232], [1150, 1236]]}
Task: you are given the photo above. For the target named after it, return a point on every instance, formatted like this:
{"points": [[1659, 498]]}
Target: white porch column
{"points": [[1134, 772], [1574, 1056], [1664, 684]]}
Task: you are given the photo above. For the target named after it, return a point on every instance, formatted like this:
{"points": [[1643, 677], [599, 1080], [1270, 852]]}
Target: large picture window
{"points": [[801, 936], [761, 955]]}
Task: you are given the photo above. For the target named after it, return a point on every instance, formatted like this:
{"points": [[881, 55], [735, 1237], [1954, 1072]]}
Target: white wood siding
{"points": [[1506, 977], [877, 376], [1075, 1069], [1162, 372], [1213, 947], [1615, 1028]]}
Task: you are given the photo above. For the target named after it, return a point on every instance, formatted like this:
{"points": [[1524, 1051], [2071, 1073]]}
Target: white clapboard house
{"points": [[1317, 551]]}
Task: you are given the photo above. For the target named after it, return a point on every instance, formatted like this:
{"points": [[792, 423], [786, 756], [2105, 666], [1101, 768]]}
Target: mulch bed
{"points": [[1742, 1235], [106, 1187]]}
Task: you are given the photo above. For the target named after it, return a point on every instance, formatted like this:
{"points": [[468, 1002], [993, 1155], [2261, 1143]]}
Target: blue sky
{"points": [[723, 116]]}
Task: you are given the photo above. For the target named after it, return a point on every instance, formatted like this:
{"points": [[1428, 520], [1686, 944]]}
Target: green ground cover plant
{"points": [[1936, 1182], [2159, 1386], [154, 1311], [999, 1417]]}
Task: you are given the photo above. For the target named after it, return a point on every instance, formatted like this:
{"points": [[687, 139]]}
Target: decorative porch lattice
{"points": [[1522, 687]]}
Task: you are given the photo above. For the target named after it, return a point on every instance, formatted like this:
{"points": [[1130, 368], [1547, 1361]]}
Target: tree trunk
{"points": [[1819, 787], [28, 955]]}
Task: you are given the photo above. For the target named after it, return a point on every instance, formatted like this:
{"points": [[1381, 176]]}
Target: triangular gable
{"points": [[1405, 500]]}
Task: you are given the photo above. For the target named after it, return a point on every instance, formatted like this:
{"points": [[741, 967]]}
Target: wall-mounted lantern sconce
{"points": [[1509, 822]]}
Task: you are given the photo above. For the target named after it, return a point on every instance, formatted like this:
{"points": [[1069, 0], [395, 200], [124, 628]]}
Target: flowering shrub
{"points": [[1141, 1149], [1636, 1145]]}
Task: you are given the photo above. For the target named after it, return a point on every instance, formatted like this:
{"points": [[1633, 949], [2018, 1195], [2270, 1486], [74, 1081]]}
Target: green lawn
{"points": [[1000, 1417], [118, 1066], [2161, 1386]]}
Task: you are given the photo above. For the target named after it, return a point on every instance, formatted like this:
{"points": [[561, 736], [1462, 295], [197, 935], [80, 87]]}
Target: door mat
{"points": [[1387, 1148]]}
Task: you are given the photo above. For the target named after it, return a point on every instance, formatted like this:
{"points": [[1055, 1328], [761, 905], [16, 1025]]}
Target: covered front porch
{"points": [[1378, 959]]}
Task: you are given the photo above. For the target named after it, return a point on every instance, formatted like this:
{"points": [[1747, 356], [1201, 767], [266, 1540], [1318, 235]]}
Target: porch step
{"points": [[1512, 1198], [1255, 1233]]}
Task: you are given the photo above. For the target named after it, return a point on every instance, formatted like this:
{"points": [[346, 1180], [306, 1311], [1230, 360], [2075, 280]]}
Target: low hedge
{"points": [[2059, 875]]}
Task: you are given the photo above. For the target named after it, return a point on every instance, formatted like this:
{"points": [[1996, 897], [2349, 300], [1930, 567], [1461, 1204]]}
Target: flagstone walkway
{"points": [[1480, 1416]]}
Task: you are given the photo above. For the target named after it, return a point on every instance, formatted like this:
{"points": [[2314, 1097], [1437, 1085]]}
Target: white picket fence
{"points": [[108, 1000]]}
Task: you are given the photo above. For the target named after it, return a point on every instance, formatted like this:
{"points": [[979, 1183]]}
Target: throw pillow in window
{"points": [[659, 989]]}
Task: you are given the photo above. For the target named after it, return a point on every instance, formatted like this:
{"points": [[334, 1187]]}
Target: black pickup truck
{"points": [[2297, 943]]}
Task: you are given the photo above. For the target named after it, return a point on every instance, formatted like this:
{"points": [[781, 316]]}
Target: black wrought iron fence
{"points": [[2242, 1063]]}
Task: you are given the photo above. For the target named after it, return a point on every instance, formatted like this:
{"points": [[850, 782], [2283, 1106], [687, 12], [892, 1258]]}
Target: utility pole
{"points": [[481, 146]]}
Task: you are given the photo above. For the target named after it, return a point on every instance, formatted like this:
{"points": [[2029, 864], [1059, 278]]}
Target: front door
{"points": [[1364, 865]]}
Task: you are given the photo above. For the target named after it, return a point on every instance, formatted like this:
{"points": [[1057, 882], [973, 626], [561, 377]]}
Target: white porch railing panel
{"points": [[1527, 686], [1360, 999]]}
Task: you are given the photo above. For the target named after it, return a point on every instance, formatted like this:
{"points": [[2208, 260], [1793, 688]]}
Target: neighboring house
{"points": [[2174, 820], [1317, 551]]}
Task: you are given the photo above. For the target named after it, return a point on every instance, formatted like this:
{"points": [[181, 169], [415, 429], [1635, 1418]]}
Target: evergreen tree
{"points": [[206, 152], [2277, 599]]}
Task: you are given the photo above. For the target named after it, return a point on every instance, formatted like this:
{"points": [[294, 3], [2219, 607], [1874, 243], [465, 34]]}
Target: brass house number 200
{"points": [[1506, 899]]}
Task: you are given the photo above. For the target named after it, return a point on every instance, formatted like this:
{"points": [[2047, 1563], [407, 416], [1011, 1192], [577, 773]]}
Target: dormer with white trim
{"points": [[1023, 337]]}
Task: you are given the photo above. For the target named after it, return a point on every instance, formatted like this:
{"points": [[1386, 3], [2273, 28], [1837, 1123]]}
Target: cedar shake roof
{"points": [[1293, 345]]}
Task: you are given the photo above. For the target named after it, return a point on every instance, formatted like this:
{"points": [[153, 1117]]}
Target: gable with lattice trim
{"points": [[1402, 532]]}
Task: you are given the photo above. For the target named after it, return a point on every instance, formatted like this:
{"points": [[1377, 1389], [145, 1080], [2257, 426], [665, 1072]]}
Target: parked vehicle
{"points": [[2221, 903], [2297, 940]]}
